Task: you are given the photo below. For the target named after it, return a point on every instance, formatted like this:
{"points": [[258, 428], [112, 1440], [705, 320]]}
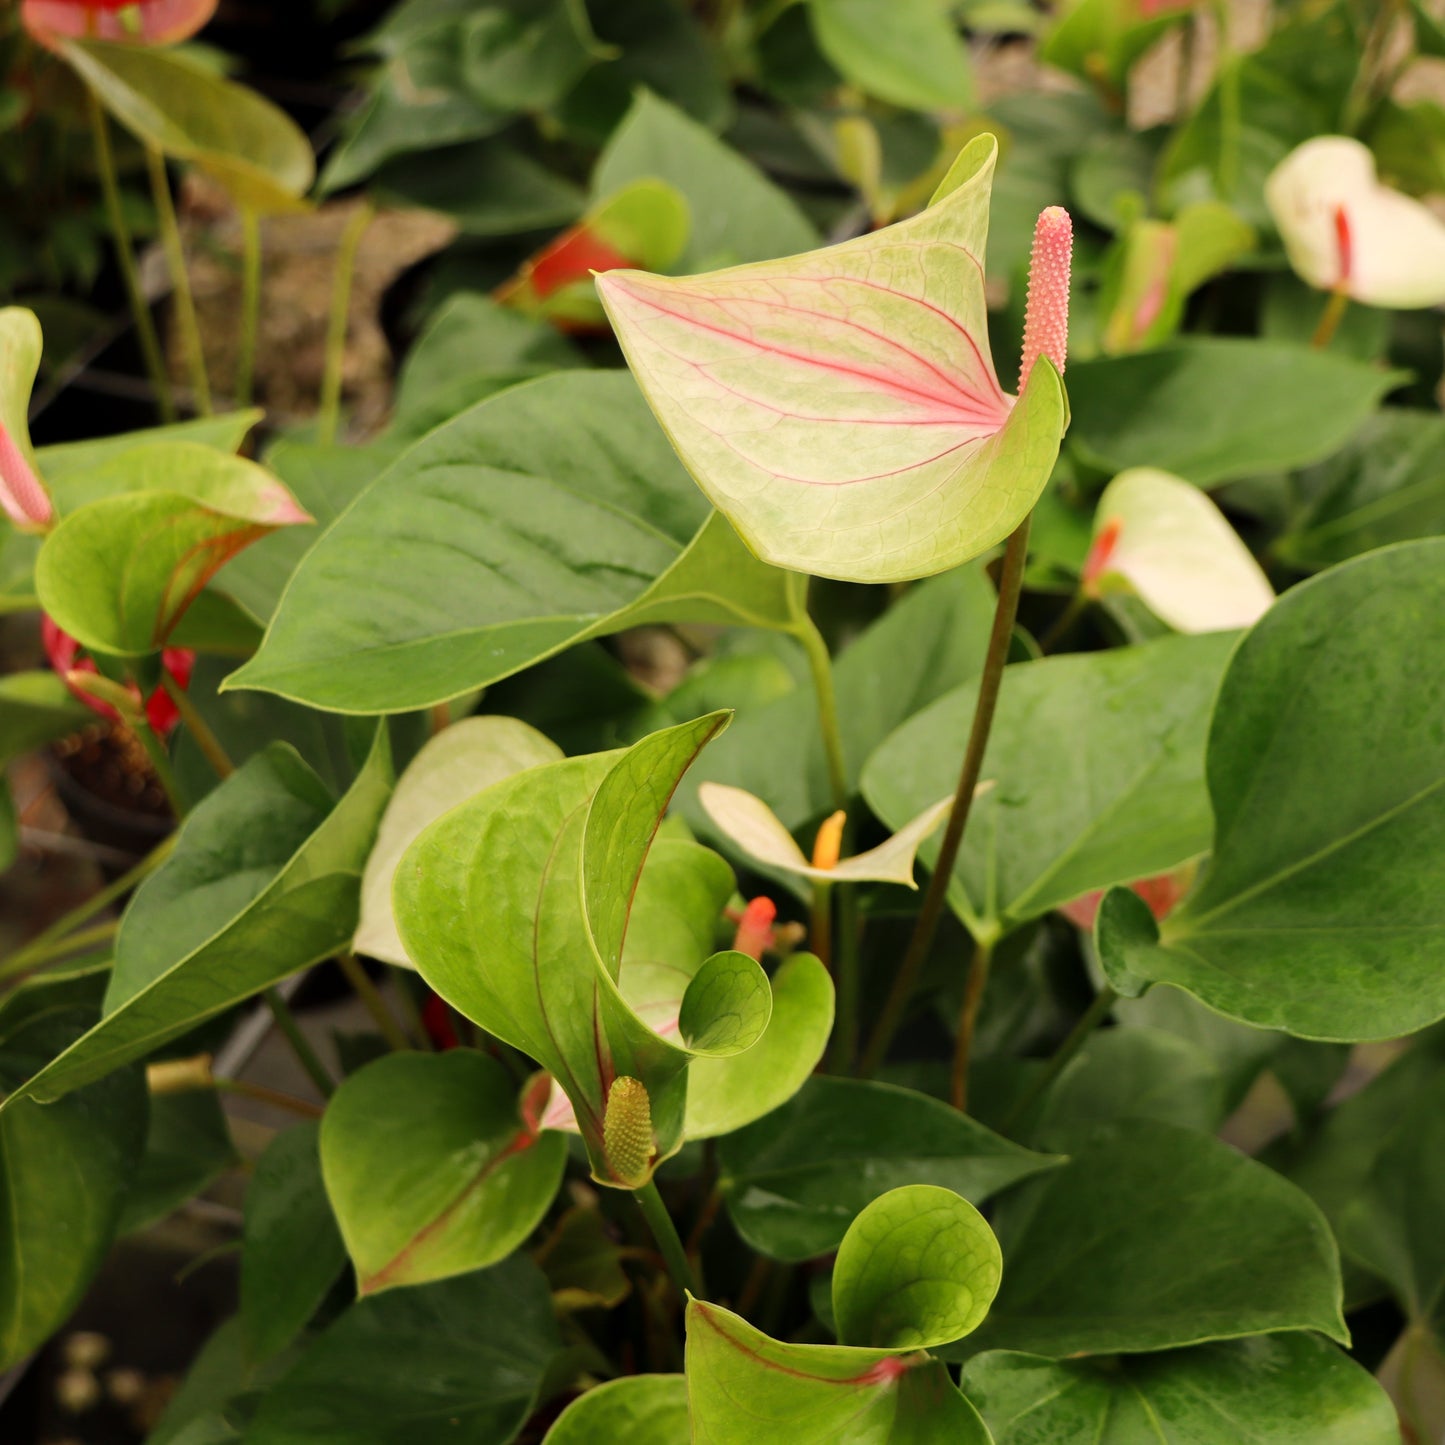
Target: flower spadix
{"points": [[760, 833], [841, 407], [1345, 231], [1161, 538]]}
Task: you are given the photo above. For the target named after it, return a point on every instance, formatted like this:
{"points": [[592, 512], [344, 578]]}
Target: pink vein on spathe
{"points": [[967, 401]]}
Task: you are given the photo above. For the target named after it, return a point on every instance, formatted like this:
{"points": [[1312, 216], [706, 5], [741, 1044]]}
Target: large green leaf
{"points": [[908, 52], [1215, 408], [463, 1358], [183, 108], [119, 572], [640, 1409], [1320, 913], [292, 1252], [432, 1169], [916, 1269], [64, 1169], [551, 513], [794, 1181], [1152, 1237], [1387, 485], [1097, 764], [1270, 1390], [841, 407], [263, 881], [188, 1145], [515, 907], [738, 215]]}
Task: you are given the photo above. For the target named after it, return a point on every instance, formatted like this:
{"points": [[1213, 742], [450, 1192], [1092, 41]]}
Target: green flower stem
{"points": [[306, 1056], [180, 278], [973, 989], [328, 416], [370, 996], [1330, 319], [199, 728], [1010, 585], [40, 948], [160, 761], [145, 327], [274, 1097], [250, 305], [664, 1231], [34, 957], [820, 666], [1088, 1021]]}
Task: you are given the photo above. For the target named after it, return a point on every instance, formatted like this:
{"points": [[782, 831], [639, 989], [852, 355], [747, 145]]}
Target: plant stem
{"points": [[39, 949], [664, 1231], [1088, 1021], [274, 1097], [820, 665], [905, 980], [306, 1056], [31, 958], [1063, 623], [370, 996], [160, 761], [145, 326], [973, 989], [199, 728], [180, 278], [250, 305], [328, 415], [1330, 319]]}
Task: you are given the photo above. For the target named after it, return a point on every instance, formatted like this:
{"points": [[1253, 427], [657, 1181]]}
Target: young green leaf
{"points": [[434, 1168], [640, 1409], [1319, 913], [841, 407], [909, 53], [1268, 1390]]}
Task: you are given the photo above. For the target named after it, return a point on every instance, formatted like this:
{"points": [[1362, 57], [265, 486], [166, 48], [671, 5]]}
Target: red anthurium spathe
{"points": [[161, 712], [841, 407], [1162, 893], [141, 22]]}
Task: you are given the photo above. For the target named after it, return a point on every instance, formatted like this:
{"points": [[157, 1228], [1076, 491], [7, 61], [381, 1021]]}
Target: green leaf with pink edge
{"points": [[434, 1166], [168, 100], [840, 408], [20, 346], [916, 1269], [516, 907], [119, 573]]}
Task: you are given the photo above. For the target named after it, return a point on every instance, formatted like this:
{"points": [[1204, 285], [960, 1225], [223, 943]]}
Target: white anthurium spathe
{"points": [[453, 766], [1345, 231], [1162, 538], [841, 407], [760, 833]]}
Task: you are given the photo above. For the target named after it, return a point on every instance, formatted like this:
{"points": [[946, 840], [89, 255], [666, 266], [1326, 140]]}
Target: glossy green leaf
{"points": [[500, 517], [1384, 486], [640, 1409], [918, 1267], [908, 52], [459, 762], [1269, 1390], [184, 109], [188, 1145], [737, 214], [119, 573], [1267, 405], [1154, 1237], [841, 407], [64, 1170], [515, 907], [794, 1181], [463, 1357], [1165, 541], [432, 1169], [264, 881], [84, 471], [1121, 797], [1320, 913], [292, 1252]]}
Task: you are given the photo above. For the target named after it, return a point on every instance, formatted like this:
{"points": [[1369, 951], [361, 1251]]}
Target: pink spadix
{"points": [[1046, 318], [22, 497]]}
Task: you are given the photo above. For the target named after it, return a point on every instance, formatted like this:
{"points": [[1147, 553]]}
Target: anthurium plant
{"points": [[868, 741]]}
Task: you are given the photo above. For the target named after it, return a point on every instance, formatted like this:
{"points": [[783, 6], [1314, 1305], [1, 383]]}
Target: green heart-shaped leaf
{"points": [[431, 1169], [841, 407], [1319, 913]]}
